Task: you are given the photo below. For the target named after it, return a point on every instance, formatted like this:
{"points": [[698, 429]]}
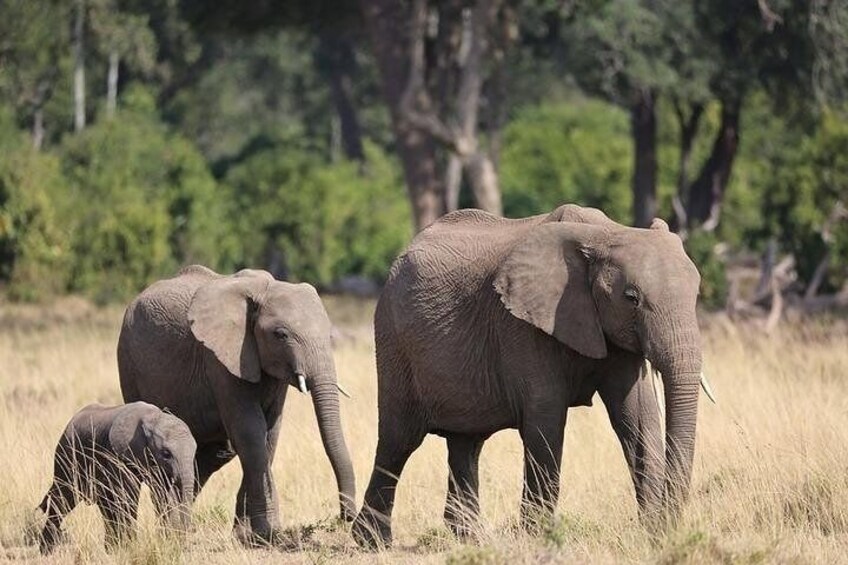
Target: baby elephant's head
{"points": [[161, 448]]}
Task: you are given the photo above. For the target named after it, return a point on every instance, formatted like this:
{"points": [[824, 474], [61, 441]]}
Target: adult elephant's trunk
{"points": [[680, 365], [681, 401], [325, 396]]}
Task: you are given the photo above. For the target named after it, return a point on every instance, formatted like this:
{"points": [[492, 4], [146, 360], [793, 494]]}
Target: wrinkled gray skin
{"points": [[104, 455], [220, 352], [488, 323]]}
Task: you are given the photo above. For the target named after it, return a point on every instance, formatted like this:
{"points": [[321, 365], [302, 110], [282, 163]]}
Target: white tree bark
{"points": [[112, 84], [79, 67]]}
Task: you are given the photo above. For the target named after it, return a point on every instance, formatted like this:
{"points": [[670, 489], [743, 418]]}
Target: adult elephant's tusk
{"points": [[705, 384], [301, 384], [342, 390]]}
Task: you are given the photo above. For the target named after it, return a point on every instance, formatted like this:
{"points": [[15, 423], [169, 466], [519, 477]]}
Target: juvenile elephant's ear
{"points": [[545, 282], [221, 315], [129, 433]]}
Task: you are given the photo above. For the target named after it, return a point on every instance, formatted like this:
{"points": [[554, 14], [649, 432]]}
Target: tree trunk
{"points": [[38, 128], [453, 182], [387, 23], [484, 183], [79, 66], [337, 61], [479, 167], [688, 129], [644, 129], [112, 84], [707, 191]]}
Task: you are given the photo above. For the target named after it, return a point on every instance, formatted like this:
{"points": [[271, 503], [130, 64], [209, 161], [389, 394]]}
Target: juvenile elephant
{"points": [[488, 323], [104, 455], [220, 352]]}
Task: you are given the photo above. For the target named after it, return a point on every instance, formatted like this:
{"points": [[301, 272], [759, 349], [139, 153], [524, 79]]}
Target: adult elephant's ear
{"points": [[545, 281], [221, 315]]}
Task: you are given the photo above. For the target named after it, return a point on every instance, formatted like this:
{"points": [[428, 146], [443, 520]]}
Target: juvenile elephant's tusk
{"points": [[301, 384], [705, 384], [342, 390]]}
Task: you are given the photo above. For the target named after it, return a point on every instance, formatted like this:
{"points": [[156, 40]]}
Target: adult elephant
{"points": [[487, 323], [220, 353]]}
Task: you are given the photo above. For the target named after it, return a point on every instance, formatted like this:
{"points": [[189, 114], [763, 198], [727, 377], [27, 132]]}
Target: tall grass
{"points": [[770, 481]]}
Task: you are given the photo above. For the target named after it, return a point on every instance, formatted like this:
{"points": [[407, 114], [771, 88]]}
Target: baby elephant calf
{"points": [[103, 457]]}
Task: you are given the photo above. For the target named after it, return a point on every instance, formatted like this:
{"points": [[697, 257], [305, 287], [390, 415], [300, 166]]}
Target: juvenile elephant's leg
{"points": [[209, 459], [273, 513], [462, 507], [543, 438], [631, 401], [57, 503], [271, 449]]}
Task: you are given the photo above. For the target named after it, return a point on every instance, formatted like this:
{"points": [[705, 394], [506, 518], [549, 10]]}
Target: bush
{"points": [[576, 152], [701, 248], [34, 228], [145, 203], [311, 221]]}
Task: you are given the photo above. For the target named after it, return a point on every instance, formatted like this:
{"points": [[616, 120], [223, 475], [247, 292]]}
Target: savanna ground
{"points": [[770, 481]]}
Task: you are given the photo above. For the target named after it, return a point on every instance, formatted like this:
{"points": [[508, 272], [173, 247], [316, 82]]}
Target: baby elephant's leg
{"points": [[118, 504], [58, 502]]}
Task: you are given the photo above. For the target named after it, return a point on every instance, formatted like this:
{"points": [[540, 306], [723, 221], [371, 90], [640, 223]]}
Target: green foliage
{"points": [[701, 247], [319, 221], [34, 230], [804, 196], [577, 152], [145, 202]]}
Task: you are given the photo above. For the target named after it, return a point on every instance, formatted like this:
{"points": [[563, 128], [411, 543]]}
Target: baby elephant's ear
{"points": [[128, 436]]}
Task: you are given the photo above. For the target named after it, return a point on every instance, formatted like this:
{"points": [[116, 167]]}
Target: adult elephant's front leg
{"points": [[632, 403], [542, 432]]}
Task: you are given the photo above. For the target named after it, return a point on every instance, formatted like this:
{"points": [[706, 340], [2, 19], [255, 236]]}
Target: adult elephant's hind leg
{"points": [[401, 430], [543, 438], [462, 507]]}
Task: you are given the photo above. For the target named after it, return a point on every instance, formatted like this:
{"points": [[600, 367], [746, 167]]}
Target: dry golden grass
{"points": [[770, 477]]}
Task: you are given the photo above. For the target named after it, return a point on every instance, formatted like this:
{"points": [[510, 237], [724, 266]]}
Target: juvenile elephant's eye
{"points": [[166, 453], [280, 333], [632, 295]]}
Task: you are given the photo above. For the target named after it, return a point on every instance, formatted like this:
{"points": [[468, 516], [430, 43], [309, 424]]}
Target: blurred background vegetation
{"points": [[314, 138]]}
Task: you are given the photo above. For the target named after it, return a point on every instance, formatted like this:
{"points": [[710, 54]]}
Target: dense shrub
{"points": [[144, 203], [34, 227], [578, 152], [314, 222]]}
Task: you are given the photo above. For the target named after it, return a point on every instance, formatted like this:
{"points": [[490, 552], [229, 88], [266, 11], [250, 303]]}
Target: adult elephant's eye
{"points": [[632, 295], [166, 453], [280, 333]]}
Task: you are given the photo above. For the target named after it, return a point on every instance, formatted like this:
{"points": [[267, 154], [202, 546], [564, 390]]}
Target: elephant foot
{"points": [[284, 540], [372, 531]]}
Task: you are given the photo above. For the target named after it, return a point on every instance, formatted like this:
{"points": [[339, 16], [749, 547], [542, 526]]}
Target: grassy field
{"points": [[771, 466]]}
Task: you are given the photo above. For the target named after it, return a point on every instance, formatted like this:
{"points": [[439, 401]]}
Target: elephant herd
{"points": [[484, 324]]}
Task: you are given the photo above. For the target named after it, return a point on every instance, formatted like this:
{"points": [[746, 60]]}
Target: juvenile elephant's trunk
{"points": [[325, 396]]}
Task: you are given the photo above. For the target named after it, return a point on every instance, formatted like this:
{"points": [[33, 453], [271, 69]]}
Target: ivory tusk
{"points": [[342, 390], [301, 384], [705, 384]]}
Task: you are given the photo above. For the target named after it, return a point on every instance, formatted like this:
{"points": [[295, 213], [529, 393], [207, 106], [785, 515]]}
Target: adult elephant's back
{"points": [[157, 355]]}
